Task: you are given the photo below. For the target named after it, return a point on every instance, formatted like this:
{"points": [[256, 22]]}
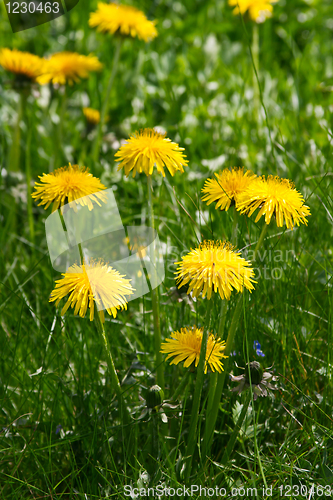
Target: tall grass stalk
{"points": [[260, 241], [212, 416], [231, 443], [30, 123], [15, 149], [255, 68], [124, 413], [106, 103], [155, 296], [192, 435], [182, 385], [58, 156]]}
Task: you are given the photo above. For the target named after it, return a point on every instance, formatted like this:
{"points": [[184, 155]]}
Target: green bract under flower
{"points": [[260, 380]]}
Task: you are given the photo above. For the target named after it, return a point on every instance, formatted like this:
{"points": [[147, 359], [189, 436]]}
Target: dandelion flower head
{"points": [[227, 187], [147, 148], [259, 10], [274, 196], [22, 64], [125, 20], [70, 67], [214, 267], [68, 184], [186, 346], [92, 116], [89, 283]]}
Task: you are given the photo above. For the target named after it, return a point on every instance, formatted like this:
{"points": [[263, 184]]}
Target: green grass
{"points": [[60, 431]]}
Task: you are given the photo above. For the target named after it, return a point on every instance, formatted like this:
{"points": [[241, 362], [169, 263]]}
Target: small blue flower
{"points": [[257, 348]]}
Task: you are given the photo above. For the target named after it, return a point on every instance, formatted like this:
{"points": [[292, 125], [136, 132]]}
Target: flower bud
{"points": [[155, 396], [256, 372]]}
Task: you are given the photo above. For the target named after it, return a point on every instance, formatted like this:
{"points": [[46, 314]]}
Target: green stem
{"points": [[155, 297], [191, 443], [223, 317], [181, 386], [214, 376], [255, 55], [234, 227], [81, 253], [105, 107], [212, 416], [28, 175], [58, 136], [15, 150], [260, 241], [233, 437], [124, 413], [211, 393], [155, 445], [255, 424]]}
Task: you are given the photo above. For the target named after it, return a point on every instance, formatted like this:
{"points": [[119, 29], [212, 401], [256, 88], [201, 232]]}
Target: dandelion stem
{"points": [[234, 227], [255, 428], [124, 413], [233, 437], [260, 241], [255, 62], [105, 107], [223, 317], [155, 297], [192, 441], [58, 152], [155, 444], [214, 376], [15, 150], [181, 386], [212, 416], [28, 173]]}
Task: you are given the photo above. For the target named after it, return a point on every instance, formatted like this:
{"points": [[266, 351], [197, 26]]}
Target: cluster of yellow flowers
{"points": [[214, 266], [274, 196], [60, 68], [69, 67]]}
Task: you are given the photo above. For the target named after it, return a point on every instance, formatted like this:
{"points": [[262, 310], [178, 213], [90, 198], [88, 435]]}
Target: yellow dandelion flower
{"points": [[64, 67], [22, 64], [147, 148], [68, 184], [93, 116], [274, 196], [89, 283], [227, 187], [214, 266], [125, 20], [186, 346], [259, 10]]}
